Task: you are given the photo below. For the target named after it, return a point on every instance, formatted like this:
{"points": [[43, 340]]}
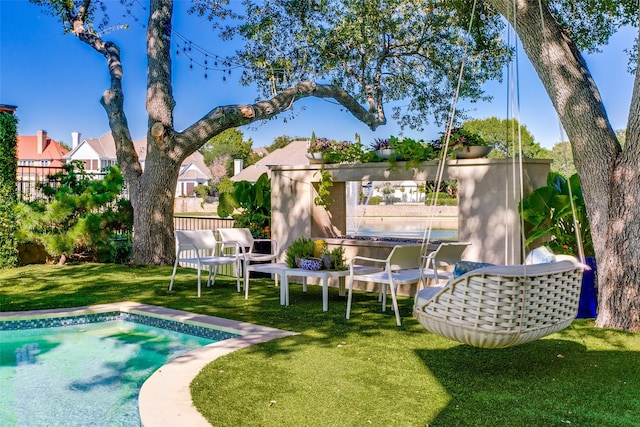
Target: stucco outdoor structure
{"points": [[488, 196]]}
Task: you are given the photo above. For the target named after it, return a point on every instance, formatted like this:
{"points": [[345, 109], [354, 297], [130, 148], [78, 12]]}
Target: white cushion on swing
{"points": [[540, 255]]}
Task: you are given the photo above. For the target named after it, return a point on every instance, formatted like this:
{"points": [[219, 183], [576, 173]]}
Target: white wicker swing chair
{"points": [[503, 306]]}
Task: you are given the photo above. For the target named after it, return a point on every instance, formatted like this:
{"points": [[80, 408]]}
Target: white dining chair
{"points": [[401, 267], [201, 248]]}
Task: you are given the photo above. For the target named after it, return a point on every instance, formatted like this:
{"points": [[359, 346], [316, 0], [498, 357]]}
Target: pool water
{"points": [[84, 374]]}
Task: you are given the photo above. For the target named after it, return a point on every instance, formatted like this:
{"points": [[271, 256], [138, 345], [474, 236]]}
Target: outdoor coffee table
{"points": [[269, 268], [322, 274], [285, 272]]}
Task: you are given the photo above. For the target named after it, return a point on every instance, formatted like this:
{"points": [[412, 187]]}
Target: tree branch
{"points": [[113, 99], [225, 117]]}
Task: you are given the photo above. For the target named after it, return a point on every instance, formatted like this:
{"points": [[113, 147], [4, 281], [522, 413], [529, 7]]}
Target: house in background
{"points": [[294, 153], [99, 153], [94, 153], [40, 151], [193, 172], [38, 157]]}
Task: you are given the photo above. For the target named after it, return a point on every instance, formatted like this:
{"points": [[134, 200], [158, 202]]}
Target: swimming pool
{"points": [[50, 373]]}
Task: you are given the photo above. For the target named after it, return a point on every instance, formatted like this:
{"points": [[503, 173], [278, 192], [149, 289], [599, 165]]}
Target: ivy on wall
{"points": [[8, 188]]}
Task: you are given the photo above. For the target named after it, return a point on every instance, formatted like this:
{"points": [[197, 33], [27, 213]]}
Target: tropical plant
{"points": [[249, 205], [554, 211]]}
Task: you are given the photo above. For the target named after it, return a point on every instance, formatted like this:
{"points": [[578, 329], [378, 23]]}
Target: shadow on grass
{"points": [[547, 382]]}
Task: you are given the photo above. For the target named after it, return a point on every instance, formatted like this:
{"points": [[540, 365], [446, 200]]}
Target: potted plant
{"points": [[299, 249], [382, 148], [465, 144], [334, 259], [549, 211], [323, 150], [411, 151], [317, 149]]}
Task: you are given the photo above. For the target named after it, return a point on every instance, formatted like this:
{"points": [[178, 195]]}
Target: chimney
{"points": [[41, 141], [237, 166], [75, 139]]}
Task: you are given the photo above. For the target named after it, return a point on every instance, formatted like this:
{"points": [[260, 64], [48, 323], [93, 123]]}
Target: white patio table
{"points": [[322, 274], [285, 272]]}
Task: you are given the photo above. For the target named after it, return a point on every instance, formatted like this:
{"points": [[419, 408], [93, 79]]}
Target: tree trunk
{"points": [[153, 201], [610, 175]]}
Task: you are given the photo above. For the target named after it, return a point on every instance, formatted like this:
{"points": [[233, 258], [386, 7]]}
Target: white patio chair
{"points": [[401, 267], [207, 251], [447, 254], [244, 244]]}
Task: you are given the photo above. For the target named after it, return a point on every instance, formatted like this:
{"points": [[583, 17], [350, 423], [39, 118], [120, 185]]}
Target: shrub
{"points": [[8, 168], [79, 217], [298, 249]]}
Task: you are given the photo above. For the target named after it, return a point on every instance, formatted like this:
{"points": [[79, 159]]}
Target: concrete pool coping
{"points": [[165, 397]]}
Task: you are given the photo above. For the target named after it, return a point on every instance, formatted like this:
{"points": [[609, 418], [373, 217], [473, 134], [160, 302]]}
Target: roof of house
{"points": [[27, 149], [295, 153], [194, 167], [105, 147]]}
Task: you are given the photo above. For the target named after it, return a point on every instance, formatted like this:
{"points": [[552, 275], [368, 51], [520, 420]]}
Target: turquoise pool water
{"points": [[84, 374]]}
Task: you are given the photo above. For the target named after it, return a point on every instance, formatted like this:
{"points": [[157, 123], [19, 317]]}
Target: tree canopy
{"points": [[504, 135], [405, 52]]}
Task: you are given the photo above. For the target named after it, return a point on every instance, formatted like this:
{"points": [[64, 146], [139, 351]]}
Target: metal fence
{"points": [[192, 222], [31, 179]]}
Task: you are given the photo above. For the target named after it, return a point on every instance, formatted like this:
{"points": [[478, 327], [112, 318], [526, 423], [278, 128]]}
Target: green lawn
{"points": [[366, 370]]}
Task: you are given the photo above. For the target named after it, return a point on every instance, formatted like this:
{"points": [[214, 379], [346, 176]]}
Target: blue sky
{"points": [[56, 81]]}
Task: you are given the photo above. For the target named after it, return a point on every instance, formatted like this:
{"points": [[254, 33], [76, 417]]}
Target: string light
{"points": [[223, 65]]}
